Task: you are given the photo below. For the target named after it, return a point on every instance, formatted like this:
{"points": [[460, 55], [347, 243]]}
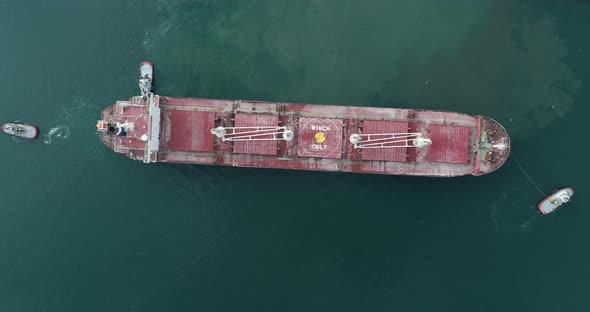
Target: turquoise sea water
{"points": [[85, 229]]}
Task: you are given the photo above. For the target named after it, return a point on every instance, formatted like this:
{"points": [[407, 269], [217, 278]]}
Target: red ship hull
{"points": [[182, 130]]}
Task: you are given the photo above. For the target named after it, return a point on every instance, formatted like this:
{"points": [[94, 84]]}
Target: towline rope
{"points": [[527, 176]]}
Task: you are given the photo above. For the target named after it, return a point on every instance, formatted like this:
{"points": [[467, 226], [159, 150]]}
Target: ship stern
{"points": [[132, 127]]}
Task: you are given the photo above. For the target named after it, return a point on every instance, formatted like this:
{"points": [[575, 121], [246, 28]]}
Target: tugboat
{"points": [[20, 130], [146, 78], [555, 200]]}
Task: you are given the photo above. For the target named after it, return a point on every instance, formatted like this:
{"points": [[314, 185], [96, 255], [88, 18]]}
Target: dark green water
{"points": [[84, 229]]}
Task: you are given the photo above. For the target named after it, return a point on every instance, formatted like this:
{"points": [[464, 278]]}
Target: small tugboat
{"points": [[146, 78], [555, 200], [20, 130]]}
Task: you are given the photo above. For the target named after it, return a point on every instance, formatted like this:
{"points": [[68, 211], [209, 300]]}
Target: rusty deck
{"points": [[303, 136]]}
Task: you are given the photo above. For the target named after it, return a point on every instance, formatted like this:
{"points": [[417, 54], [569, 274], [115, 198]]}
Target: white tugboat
{"points": [[555, 200], [20, 130], [146, 78]]}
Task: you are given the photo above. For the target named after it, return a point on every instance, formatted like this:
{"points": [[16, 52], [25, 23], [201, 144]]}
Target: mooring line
{"points": [[527, 176]]}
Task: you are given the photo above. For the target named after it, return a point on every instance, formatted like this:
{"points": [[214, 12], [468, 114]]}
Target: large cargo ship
{"points": [[241, 133]]}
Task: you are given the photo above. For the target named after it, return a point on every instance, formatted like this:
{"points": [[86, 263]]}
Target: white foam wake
{"points": [[61, 132]]}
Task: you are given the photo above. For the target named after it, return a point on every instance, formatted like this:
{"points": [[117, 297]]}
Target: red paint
{"points": [[387, 154], [321, 137], [189, 130], [256, 147], [36, 135], [449, 144]]}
